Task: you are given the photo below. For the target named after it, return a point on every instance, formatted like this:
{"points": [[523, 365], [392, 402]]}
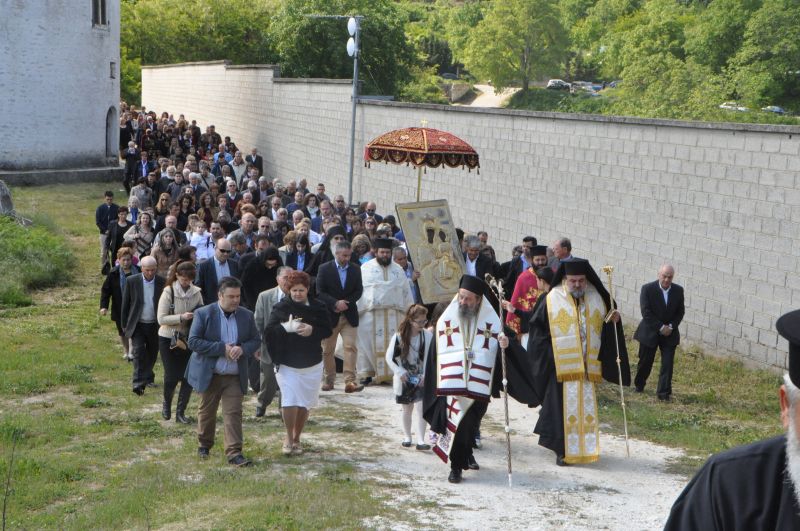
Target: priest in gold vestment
{"points": [[571, 344]]}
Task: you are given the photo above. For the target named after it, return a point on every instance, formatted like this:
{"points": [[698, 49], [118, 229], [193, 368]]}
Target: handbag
{"points": [[411, 385], [178, 339]]}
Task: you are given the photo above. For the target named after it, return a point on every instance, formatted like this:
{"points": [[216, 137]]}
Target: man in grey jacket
{"points": [[266, 301], [222, 338]]}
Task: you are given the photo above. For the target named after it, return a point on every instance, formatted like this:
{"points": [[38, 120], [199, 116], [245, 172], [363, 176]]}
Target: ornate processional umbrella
{"points": [[421, 147]]}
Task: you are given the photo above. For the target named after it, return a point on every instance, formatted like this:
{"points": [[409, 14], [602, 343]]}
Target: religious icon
{"points": [[433, 248]]}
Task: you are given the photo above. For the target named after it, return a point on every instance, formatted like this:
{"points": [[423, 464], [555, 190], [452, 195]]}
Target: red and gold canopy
{"points": [[421, 146]]}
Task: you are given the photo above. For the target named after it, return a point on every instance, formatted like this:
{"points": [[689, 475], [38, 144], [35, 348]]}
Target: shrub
{"points": [[30, 258]]}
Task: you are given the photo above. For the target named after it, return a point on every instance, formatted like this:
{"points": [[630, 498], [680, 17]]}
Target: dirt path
{"points": [[489, 98], [615, 493]]}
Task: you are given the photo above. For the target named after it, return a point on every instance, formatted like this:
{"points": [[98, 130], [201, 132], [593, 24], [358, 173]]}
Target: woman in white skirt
{"points": [[406, 357], [295, 330]]}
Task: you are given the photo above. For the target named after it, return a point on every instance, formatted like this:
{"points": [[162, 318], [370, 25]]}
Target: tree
{"points": [[766, 68], [518, 41], [174, 31], [719, 31], [315, 47]]}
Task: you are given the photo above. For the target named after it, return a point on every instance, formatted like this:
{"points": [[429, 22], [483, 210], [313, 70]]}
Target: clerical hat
{"points": [[788, 326], [576, 266], [383, 243], [539, 250], [336, 230], [473, 284]]}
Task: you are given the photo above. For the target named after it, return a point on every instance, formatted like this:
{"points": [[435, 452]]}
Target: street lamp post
{"points": [[354, 28]]}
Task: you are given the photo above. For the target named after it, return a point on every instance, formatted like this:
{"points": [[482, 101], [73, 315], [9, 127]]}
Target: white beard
{"points": [[793, 455]]}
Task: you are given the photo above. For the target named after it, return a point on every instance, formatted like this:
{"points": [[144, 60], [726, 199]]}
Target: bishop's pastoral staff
{"points": [[461, 363], [571, 344]]}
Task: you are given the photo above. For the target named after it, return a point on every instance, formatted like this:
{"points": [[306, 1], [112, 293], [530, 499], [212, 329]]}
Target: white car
{"points": [[558, 84], [733, 106]]}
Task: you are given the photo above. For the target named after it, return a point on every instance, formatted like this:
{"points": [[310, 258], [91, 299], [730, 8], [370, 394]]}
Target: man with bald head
{"points": [[139, 324], [662, 308], [210, 272]]}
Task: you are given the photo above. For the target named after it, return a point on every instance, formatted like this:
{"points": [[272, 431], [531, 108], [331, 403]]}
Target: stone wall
{"points": [[719, 201]]}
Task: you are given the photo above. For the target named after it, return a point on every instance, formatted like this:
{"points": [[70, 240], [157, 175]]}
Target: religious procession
{"points": [[290, 288]]}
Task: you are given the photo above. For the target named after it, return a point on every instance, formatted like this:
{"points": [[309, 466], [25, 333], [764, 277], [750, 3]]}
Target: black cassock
{"points": [[744, 489], [550, 426], [520, 387]]}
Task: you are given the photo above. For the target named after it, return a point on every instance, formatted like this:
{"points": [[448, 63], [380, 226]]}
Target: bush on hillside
{"points": [[30, 258]]}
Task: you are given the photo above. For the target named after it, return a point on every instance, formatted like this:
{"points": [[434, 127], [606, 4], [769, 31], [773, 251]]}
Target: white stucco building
{"points": [[59, 84]]}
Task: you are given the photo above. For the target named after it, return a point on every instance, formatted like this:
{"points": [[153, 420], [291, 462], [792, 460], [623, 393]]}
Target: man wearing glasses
{"points": [[210, 272]]}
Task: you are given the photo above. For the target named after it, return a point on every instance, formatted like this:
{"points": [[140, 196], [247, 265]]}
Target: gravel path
{"points": [[633, 493]]}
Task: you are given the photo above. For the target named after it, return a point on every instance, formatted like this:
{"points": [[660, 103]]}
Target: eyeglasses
{"points": [[423, 322], [225, 251]]}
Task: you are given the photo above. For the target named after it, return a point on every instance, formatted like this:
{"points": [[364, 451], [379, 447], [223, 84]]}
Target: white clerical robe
{"points": [[383, 303]]}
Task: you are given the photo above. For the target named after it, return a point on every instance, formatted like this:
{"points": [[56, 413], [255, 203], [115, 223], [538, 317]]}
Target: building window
{"points": [[113, 69], [99, 14]]}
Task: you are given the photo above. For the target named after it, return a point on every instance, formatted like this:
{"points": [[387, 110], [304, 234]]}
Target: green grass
{"points": [[611, 102], [539, 99], [32, 257], [91, 455], [716, 404]]}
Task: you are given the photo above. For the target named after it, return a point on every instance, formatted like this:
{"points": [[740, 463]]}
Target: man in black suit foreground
{"points": [[139, 324], [662, 311]]}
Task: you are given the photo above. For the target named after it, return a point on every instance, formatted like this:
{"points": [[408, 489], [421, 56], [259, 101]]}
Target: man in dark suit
{"points": [[662, 311], [477, 264], [256, 160], [211, 271], [520, 263], [222, 339], [132, 157], [143, 167], [139, 324], [339, 287]]}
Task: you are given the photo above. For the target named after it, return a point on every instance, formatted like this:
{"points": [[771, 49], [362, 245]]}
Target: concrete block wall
{"points": [[719, 201]]}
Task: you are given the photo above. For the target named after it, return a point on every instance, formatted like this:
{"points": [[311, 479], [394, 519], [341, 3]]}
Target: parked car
{"points": [[558, 84], [774, 109], [733, 106]]}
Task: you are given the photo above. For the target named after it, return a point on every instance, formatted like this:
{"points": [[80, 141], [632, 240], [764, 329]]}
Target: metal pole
{"points": [[353, 122]]}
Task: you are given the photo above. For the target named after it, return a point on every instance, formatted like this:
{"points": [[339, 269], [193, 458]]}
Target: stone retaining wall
{"points": [[719, 201]]}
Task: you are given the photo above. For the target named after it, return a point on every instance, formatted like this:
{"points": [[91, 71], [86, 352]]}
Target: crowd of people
{"points": [[243, 283]]}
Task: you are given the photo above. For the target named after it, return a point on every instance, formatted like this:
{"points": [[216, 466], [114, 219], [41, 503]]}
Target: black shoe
{"points": [[406, 444], [560, 461], [202, 453], [138, 390], [260, 410], [239, 460], [422, 447], [639, 389], [366, 381], [166, 410], [152, 384], [664, 398], [472, 464], [455, 476], [183, 400]]}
